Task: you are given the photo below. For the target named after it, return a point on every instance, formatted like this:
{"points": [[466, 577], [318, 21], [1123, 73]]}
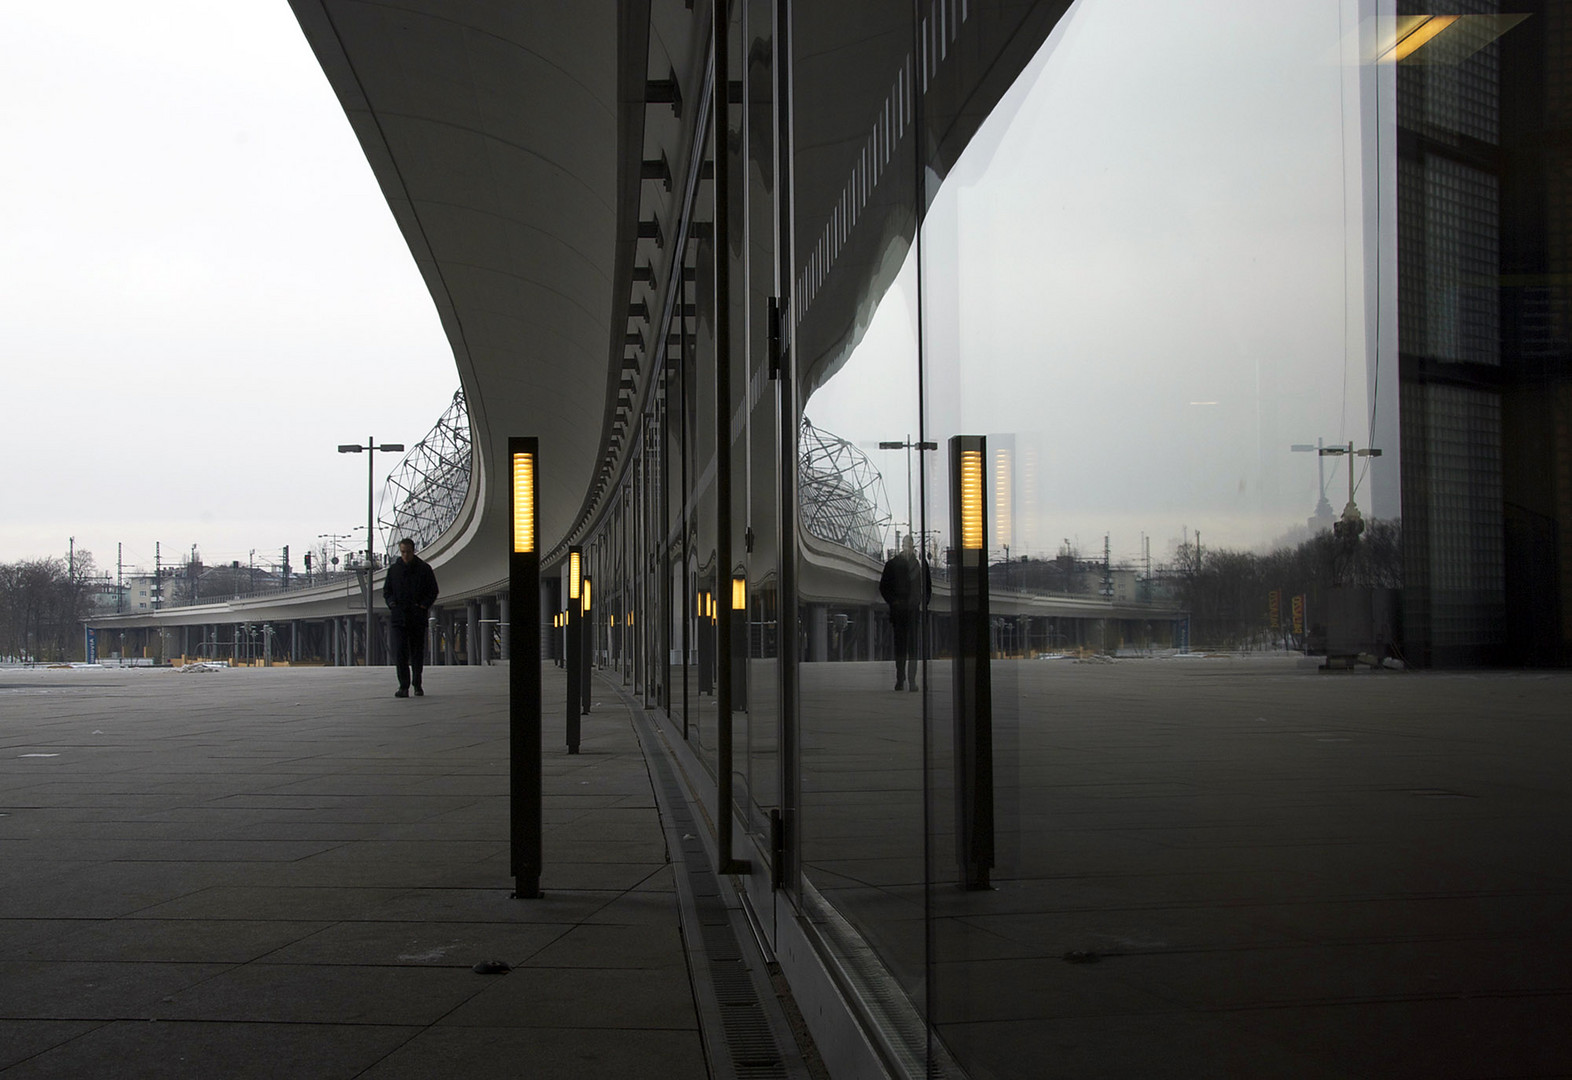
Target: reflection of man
{"points": [[905, 586], [410, 590]]}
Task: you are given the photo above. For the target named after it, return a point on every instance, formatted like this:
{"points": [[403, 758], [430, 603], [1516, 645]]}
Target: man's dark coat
{"points": [[410, 589]]}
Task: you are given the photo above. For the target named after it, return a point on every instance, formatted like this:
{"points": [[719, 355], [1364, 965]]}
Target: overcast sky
{"points": [[202, 290], [1143, 263]]}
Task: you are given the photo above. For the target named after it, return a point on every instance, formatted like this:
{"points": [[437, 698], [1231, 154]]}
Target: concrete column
{"points": [[472, 632], [505, 607], [487, 614], [294, 641], [818, 633], [447, 637]]}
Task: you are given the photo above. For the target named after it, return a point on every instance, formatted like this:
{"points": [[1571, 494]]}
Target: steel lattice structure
{"points": [[423, 494], [842, 492]]}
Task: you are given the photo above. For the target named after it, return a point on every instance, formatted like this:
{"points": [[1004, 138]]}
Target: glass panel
{"points": [[860, 840], [1144, 295], [703, 555], [757, 689]]}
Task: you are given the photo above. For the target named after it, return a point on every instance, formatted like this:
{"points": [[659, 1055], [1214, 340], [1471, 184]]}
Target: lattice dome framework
{"points": [[842, 492], [424, 492]]}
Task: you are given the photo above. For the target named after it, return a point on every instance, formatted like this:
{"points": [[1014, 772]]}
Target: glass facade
{"points": [[1185, 297]]}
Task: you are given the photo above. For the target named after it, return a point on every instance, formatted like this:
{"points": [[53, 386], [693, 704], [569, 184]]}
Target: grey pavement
{"points": [[289, 873]]}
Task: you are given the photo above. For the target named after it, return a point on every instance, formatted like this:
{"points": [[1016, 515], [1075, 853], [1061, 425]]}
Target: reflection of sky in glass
{"points": [[1143, 267]]}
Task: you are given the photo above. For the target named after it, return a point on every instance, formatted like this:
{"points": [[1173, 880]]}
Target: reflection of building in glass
{"points": [[842, 493], [1481, 169], [429, 485]]}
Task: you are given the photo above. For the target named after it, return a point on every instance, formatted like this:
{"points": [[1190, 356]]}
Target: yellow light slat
{"points": [[971, 500], [523, 503]]}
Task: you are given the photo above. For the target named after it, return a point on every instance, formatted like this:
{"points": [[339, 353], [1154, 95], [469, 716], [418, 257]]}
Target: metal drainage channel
{"points": [[733, 996]]}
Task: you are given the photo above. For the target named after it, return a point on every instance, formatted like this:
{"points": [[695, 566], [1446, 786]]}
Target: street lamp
{"points": [[370, 449], [907, 445], [1350, 526], [333, 539]]}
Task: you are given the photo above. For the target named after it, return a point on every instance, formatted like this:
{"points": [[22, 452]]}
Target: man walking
{"points": [[410, 590], [906, 586]]}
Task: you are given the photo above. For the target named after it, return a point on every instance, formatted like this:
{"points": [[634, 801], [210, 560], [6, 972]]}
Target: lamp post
{"points": [[333, 539], [1350, 525], [907, 445], [370, 449], [574, 644], [587, 629], [524, 711], [973, 681]]}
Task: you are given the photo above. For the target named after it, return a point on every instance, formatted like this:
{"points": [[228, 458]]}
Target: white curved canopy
{"points": [[495, 142]]}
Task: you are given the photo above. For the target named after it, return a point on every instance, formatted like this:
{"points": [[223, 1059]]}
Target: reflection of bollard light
{"points": [[587, 632], [739, 642], [972, 692], [574, 660]]}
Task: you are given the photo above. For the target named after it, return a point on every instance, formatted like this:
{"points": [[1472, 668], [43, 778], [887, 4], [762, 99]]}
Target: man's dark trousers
{"points": [[410, 639], [904, 622]]}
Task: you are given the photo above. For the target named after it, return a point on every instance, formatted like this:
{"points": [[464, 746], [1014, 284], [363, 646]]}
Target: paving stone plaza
{"points": [[288, 872]]}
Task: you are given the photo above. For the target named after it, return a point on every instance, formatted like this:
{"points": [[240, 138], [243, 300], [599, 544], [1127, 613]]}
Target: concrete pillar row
{"points": [[472, 631]]}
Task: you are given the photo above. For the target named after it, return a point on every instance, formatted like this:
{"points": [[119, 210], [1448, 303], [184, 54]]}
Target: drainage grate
{"points": [[738, 1033]]}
